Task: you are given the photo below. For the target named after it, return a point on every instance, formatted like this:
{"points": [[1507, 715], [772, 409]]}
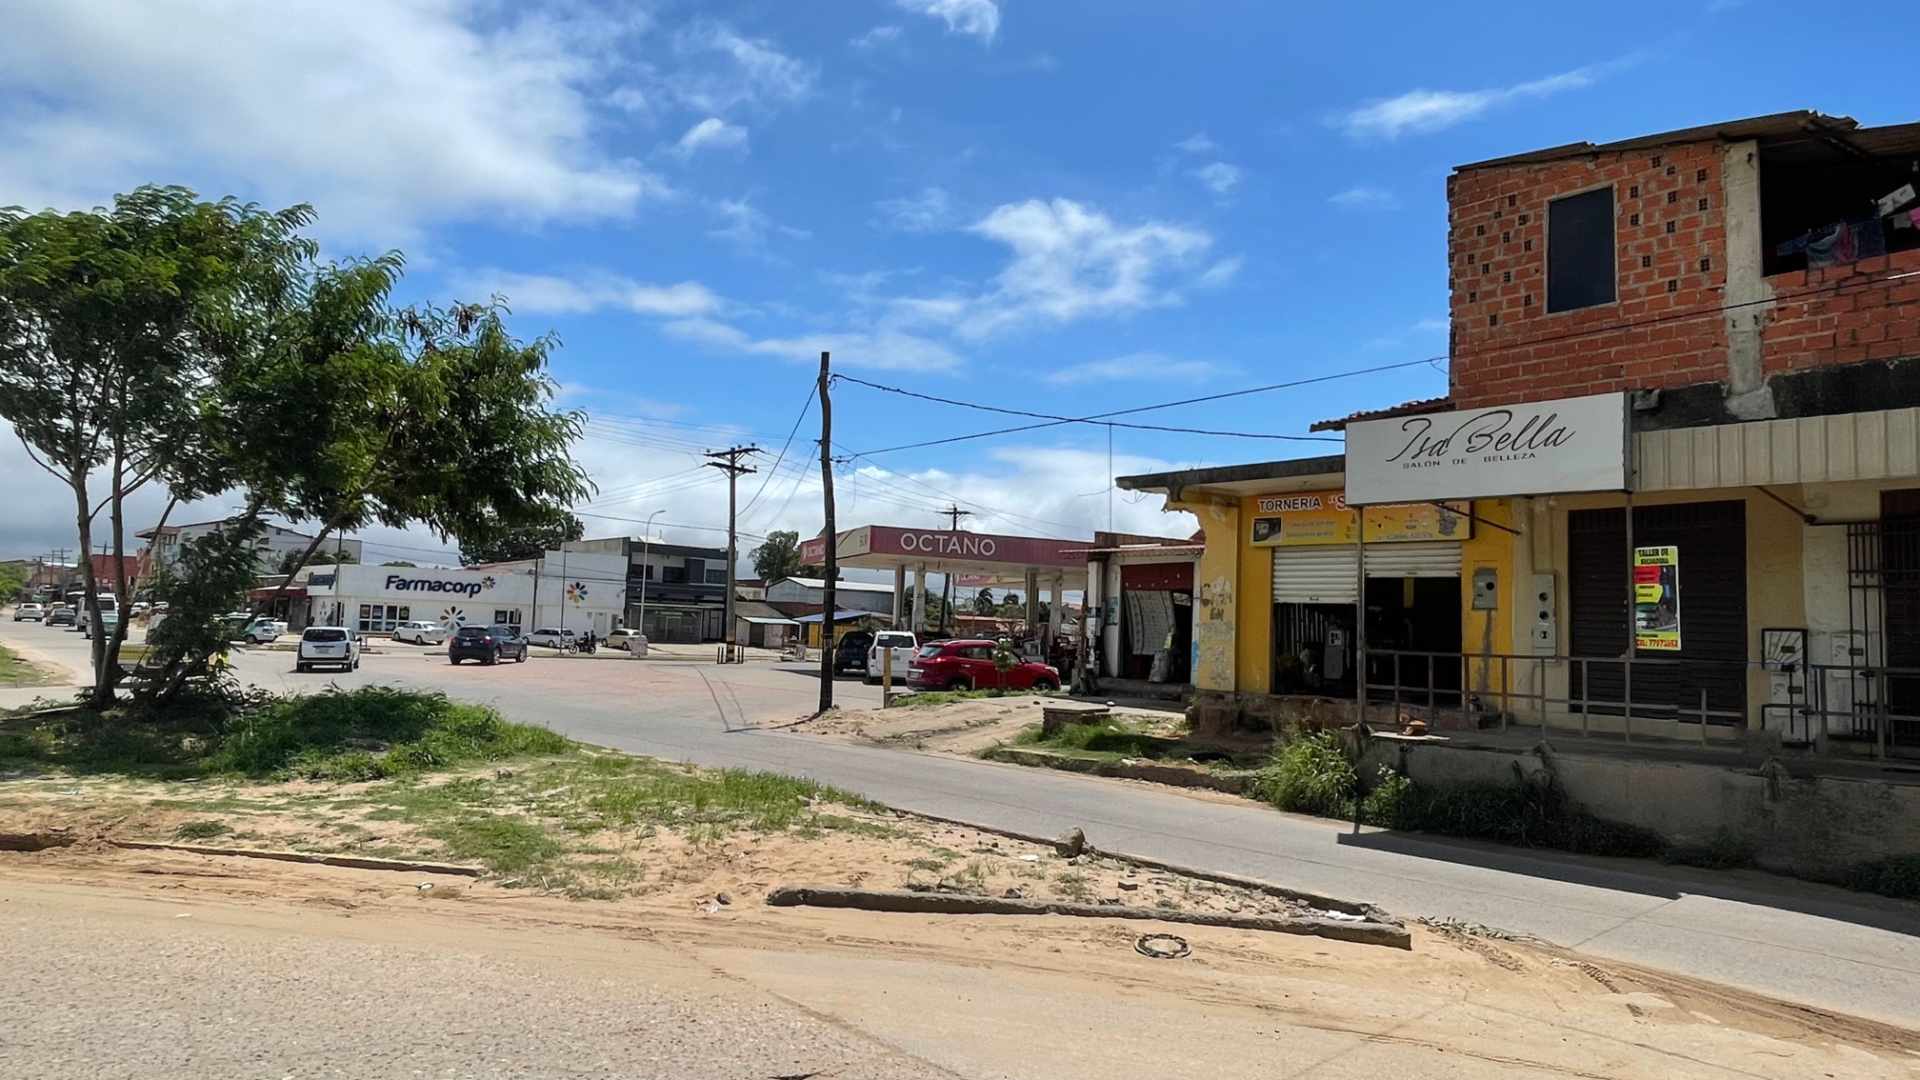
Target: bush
{"points": [[1309, 775], [1898, 877], [1390, 804], [370, 734]]}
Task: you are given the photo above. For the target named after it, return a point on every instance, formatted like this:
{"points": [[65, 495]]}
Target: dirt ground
{"points": [[1457, 1005]]}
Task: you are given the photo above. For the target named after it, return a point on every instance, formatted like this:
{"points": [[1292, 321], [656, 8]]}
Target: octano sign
{"points": [[1540, 448]]}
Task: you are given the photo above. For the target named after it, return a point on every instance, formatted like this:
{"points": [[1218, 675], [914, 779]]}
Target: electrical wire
{"points": [[1095, 420], [805, 407]]}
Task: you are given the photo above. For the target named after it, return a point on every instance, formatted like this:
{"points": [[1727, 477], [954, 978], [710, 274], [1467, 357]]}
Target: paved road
{"points": [[1843, 951], [100, 985]]}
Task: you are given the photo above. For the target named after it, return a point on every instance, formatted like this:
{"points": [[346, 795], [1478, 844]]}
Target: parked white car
{"points": [[902, 644], [263, 631], [624, 638], [328, 646], [421, 632], [29, 611], [552, 637]]}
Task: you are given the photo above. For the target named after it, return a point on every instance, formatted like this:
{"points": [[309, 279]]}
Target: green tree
{"points": [[209, 579], [399, 562], [117, 328], [13, 582], [779, 557], [502, 543]]}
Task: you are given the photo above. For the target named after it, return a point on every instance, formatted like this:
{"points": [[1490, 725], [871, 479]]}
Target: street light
{"points": [[646, 540]]}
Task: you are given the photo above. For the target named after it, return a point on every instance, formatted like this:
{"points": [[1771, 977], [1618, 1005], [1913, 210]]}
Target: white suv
{"points": [[552, 637], [421, 632], [903, 645], [328, 646], [29, 611]]}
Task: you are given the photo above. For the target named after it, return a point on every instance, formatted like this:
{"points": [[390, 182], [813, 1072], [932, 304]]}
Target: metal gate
{"points": [[1878, 681]]}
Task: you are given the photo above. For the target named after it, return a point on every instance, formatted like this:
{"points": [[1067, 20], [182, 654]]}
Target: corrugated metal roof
{"points": [[1770, 126], [1405, 408]]}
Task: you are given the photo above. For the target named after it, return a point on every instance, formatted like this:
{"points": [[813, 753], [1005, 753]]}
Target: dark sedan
{"points": [[487, 644]]}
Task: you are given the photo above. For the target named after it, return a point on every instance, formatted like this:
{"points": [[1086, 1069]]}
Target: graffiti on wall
{"points": [[1213, 634]]}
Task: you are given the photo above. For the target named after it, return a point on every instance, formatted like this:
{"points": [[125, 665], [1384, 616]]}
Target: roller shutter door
{"points": [[1712, 538], [1314, 575], [1413, 560]]}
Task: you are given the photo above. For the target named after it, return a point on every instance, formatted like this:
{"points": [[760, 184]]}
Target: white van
{"points": [[328, 646], [83, 617], [902, 644]]}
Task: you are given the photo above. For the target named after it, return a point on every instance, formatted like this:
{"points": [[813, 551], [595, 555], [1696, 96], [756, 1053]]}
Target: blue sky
{"points": [[1060, 207]]}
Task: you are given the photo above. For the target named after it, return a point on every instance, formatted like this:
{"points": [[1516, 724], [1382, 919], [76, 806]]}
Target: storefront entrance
{"points": [[1414, 615], [1698, 643]]}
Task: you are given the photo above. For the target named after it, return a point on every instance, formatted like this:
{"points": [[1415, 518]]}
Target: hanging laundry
{"points": [[1869, 239], [1829, 245], [1896, 199]]}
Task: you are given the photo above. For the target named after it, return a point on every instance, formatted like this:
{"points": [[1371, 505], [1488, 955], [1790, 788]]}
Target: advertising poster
{"points": [[1656, 599], [1316, 519]]}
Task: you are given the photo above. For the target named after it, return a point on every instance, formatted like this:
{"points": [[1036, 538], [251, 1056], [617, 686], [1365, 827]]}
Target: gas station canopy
{"points": [[975, 559]]}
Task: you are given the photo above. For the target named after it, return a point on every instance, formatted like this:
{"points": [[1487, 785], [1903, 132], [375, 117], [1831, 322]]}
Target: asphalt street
{"points": [[1849, 952]]}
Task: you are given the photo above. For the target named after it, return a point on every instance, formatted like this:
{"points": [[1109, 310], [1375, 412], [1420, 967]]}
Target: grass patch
{"points": [[1116, 739], [504, 845], [16, 672], [923, 699], [202, 830], [371, 733]]}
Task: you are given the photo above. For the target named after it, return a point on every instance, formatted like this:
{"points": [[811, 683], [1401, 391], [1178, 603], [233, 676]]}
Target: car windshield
{"points": [[324, 634], [473, 631], [894, 641]]}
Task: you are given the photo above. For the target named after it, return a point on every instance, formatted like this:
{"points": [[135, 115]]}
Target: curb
{"points": [[1370, 932], [1152, 772], [353, 862]]}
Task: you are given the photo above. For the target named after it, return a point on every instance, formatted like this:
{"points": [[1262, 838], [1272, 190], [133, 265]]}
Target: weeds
{"points": [[202, 830], [1898, 877], [1309, 775]]}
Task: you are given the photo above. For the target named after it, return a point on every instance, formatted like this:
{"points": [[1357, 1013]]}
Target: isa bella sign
{"points": [[1540, 448]]}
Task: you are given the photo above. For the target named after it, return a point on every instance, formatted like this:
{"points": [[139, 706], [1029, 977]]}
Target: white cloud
{"points": [[1197, 143], [975, 18], [1220, 272], [882, 350], [1219, 177], [747, 226], [1364, 197], [925, 212], [548, 294], [1424, 110], [758, 74], [387, 117], [1071, 261], [882, 35], [1140, 365], [712, 133]]}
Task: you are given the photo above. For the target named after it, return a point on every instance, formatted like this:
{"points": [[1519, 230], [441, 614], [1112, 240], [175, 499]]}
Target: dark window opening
{"points": [[673, 575], [1818, 200], [1580, 251]]}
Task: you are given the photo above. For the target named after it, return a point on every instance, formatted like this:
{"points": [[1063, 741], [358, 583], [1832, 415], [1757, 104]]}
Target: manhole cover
{"points": [[1162, 946]]}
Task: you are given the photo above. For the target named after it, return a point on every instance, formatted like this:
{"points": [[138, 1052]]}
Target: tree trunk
{"points": [[101, 695], [107, 675], [281, 589]]}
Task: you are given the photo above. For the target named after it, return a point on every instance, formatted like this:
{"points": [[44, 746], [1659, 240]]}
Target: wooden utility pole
{"points": [[728, 461], [833, 541], [954, 514]]}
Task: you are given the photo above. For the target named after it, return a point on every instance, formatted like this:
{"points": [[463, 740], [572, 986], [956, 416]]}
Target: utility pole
{"points": [[728, 461], [954, 514], [833, 541]]}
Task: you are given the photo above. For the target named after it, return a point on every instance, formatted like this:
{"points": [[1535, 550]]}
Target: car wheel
{"points": [[454, 660], [522, 658], [960, 684], [355, 666], [1045, 685], [301, 668]]}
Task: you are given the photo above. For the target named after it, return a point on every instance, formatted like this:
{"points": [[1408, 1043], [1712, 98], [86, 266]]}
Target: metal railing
{"points": [[1823, 703]]}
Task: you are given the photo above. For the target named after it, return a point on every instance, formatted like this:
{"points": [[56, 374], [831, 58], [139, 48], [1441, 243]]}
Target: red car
{"points": [[967, 664]]}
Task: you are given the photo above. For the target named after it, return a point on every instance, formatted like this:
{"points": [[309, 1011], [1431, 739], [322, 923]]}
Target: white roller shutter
{"points": [[1441, 559], [1314, 575], [1326, 575]]}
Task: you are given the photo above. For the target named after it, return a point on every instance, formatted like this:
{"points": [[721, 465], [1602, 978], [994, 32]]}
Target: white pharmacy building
{"points": [[575, 590]]}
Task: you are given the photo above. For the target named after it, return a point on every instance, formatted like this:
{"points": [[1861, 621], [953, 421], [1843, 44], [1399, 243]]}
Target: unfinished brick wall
{"points": [[1843, 314], [1670, 256]]}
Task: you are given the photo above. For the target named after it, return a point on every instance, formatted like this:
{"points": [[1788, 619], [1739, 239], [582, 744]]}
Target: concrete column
{"points": [[1056, 599], [899, 594], [1030, 592], [1748, 395], [1110, 629], [920, 598]]}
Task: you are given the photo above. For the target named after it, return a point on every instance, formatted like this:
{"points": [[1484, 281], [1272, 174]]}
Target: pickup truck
{"points": [[902, 644]]}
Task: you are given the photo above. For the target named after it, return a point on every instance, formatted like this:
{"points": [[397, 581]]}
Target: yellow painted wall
{"points": [[1216, 607], [1491, 633], [1255, 660]]}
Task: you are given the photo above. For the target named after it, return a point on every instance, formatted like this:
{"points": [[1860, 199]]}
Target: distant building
{"points": [[847, 595], [274, 545], [685, 587]]}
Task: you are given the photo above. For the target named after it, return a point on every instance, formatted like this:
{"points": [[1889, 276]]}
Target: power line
{"points": [[791, 432], [1086, 420], [670, 524]]}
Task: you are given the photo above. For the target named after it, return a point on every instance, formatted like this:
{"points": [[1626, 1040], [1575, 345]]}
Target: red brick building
{"points": [[1681, 262]]}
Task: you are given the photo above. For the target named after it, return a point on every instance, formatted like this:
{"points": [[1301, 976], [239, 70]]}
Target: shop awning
{"points": [[1879, 445]]}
